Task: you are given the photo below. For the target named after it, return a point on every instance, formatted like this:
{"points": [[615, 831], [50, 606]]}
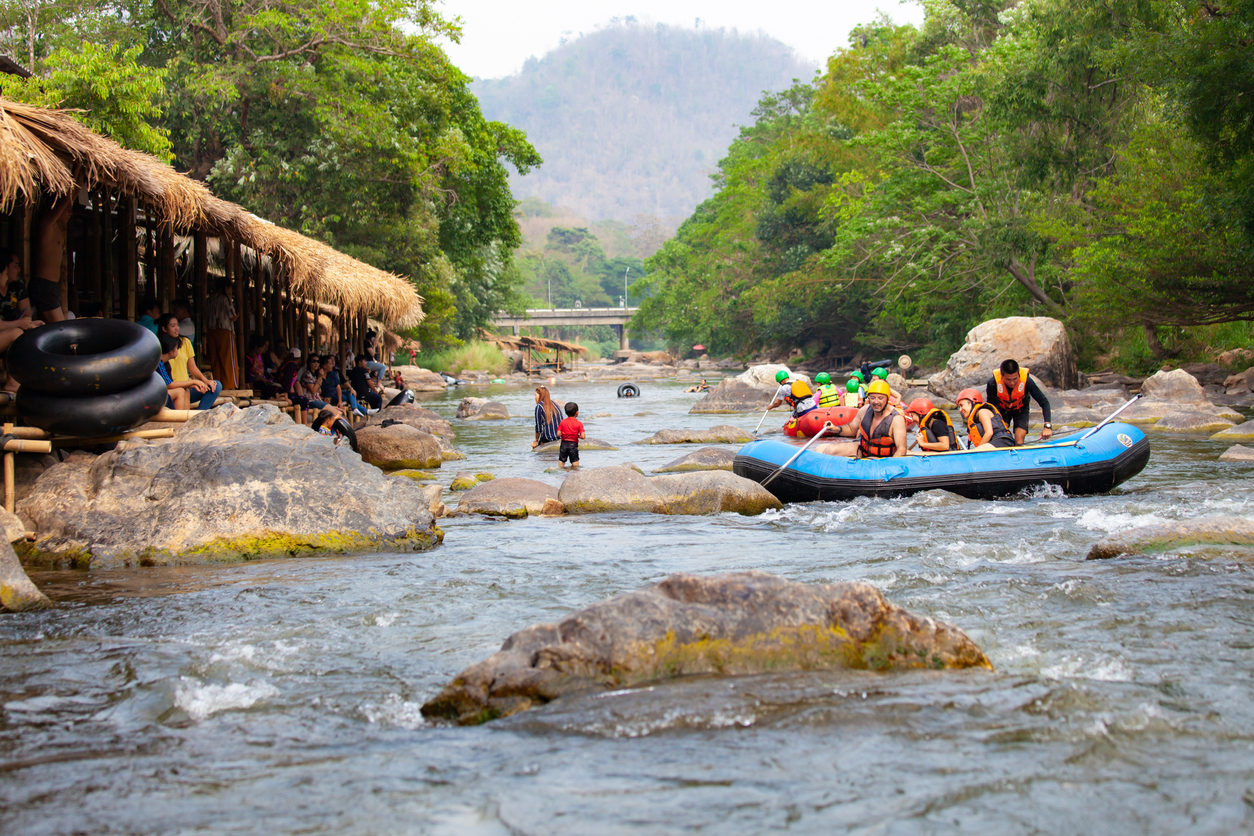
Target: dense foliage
{"points": [[631, 118], [1082, 159], [344, 121]]}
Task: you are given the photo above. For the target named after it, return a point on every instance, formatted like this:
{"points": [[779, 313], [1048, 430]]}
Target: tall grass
{"points": [[473, 355]]}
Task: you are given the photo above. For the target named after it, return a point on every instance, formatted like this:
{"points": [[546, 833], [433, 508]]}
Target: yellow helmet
{"points": [[879, 387]]}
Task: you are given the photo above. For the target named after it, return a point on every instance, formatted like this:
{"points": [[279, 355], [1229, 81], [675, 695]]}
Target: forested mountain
{"points": [[1081, 159], [633, 118]]}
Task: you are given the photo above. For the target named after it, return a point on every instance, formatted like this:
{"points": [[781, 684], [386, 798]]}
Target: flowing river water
{"points": [[283, 696]]}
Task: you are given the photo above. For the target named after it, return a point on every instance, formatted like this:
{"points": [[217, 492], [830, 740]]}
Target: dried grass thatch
{"points": [[42, 150]]}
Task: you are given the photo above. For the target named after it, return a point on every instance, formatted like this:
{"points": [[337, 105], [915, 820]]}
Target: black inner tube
{"points": [[84, 357], [629, 390], [403, 397], [93, 415]]}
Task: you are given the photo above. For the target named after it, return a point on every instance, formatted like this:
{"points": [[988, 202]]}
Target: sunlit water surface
{"points": [[284, 696]]}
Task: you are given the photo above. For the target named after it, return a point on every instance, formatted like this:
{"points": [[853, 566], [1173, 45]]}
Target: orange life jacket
{"points": [[999, 428], [876, 443], [949, 424], [1014, 399]]}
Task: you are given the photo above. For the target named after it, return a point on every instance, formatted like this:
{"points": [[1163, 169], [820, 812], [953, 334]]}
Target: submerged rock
{"points": [[233, 484], [512, 497], [625, 488], [739, 623], [718, 434], [481, 409], [1237, 453], [1218, 530], [584, 444], [707, 458], [1241, 432], [399, 447]]}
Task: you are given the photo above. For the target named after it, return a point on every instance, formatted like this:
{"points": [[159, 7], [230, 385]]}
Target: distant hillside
{"points": [[632, 119]]}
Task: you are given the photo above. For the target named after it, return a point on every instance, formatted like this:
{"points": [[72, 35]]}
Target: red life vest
{"points": [[1014, 399], [876, 443], [999, 433]]}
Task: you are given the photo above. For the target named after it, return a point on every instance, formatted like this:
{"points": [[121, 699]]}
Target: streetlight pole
{"points": [[625, 272]]}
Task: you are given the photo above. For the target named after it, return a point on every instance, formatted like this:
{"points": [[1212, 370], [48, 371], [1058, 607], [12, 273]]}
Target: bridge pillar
{"points": [[515, 330], [622, 336]]}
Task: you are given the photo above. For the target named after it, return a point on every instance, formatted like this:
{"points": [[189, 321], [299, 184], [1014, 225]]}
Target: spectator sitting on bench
{"points": [[177, 391], [365, 384], [183, 365]]}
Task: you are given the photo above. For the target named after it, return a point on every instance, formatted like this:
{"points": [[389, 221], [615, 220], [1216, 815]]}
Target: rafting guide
{"points": [[879, 428]]}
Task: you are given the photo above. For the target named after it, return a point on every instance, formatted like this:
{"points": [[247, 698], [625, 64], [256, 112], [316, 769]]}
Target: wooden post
{"points": [[258, 309], [108, 297], [128, 280], [9, 473], [241, 320], [165, 265], [200, 284]]}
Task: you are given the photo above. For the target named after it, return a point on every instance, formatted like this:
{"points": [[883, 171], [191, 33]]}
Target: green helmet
{"points": [[881, 373], [822, 378], [781, 375], [858, 374], [852, 385]]}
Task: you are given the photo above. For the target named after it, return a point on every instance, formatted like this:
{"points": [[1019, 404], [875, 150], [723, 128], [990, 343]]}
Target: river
{"points": [[283, 696]]}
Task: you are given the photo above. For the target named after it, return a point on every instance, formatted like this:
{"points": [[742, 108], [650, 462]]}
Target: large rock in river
{"points": [[1241, 432], [1237, 453], [421, 380], [17, 592], [1177, 386], [1192, 421], [1218, 530], [511, 497], [1038, 343], [719, 434], [482, 409], [233, 484], [399, 447], [1175, 391], [414, 416], [624, 488], [707, 458], [733, 395], [740, 623]]}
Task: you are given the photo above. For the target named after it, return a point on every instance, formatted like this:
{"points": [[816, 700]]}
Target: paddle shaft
{"points": [[1110, 418], [768, 409], [784, 467]]}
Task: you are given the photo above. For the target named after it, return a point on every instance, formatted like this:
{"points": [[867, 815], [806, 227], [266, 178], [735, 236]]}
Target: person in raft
{"points": [[177, 391], [1008, 391], [936, 432], [880, 429], [548, 418], [829, 394], [985, 428], [571, 430], [800, 397]]}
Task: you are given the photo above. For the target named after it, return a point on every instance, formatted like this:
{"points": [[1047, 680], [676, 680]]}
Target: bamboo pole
{"points": [[200, 286], [175, 416], [9, 473], [128, 281], [23, 445], [79, 441]]}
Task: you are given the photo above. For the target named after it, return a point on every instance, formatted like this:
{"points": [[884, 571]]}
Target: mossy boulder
{"points": [[512, 497], [1241, 432], [719, 434], [608, 489], [416, 475], [713, 492], [485, 476], [1162, 537], [232, 485], [463, 481], [584, 444], [414, 416], [740, 623], [17, 592], [481, 409], [1191, 421], [399, 447], [707, 458]]}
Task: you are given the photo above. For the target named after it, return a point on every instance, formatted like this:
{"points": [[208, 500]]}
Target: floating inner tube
{"points": [[809, 424], [629, 390], [341, 427], [82, 357], [403, 397], [93, 415], [452, 381]]}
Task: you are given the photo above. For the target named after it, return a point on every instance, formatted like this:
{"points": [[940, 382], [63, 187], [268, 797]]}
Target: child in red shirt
{"points": [[571, 430]]}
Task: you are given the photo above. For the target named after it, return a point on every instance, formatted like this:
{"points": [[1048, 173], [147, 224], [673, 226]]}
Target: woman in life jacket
{"points": [[985, 429], [936, 430], [880, 430], [853, 394]]}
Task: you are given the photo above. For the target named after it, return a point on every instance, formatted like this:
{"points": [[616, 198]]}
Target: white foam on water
{"points": [[199, 700], [1101, 668], [387, 619], [394, 711], [1096, 519]]}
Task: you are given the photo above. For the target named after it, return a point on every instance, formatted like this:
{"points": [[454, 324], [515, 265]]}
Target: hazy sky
{"points": [[498, 35]]}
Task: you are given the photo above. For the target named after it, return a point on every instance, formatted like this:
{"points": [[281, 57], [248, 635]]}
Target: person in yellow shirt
{"points": [[183, 364]]}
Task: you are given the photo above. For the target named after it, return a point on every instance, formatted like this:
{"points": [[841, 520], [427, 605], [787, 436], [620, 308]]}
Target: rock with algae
{"points": [[512, 497], [17, 592], [707, 458], [1161, 537], [232, 485], [738, 623], [718, 434]]}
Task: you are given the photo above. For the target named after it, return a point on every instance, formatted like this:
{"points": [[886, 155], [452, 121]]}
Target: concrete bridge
{"points": [[616, 317]]}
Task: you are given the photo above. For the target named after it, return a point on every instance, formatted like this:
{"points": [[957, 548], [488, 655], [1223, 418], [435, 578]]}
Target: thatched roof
{"points": [[42, 150], [538, 343]]}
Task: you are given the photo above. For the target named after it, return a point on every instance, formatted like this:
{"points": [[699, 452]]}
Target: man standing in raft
{"points": [[880, 429], [985, 429], [1008, 390], [799, 395]]}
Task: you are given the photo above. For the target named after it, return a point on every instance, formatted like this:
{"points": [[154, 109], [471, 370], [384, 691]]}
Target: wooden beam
{"points": [[200, 284]]}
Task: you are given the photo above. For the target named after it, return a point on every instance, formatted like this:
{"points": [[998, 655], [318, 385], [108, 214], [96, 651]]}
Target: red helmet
{"points": [[920, 407], [972, 395]]}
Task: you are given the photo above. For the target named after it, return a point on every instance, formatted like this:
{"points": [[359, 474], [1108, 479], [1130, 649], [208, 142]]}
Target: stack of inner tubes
{"points": [[87, 377]]}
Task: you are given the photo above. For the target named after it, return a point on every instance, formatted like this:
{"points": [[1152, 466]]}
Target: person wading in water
{"points": [[548, 416]]}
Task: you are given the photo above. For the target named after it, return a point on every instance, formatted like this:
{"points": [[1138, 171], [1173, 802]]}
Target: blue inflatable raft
{"points": [[1110, 456]]}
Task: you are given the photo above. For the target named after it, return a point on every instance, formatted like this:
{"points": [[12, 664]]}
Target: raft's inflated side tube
{"points": [[93, 415], [809, 424], [629, 390], [82, 357], [403, 397], [342, 427]]}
